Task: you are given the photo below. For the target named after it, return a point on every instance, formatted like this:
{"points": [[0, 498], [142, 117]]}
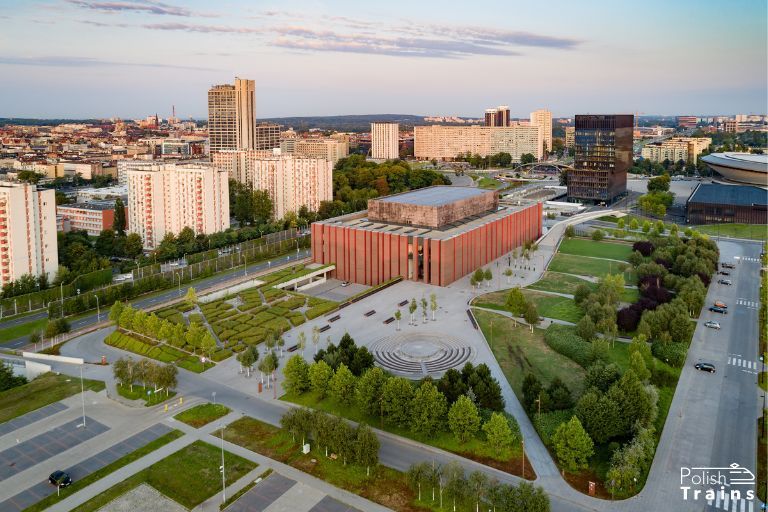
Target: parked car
{"points": [[728, 265], [716, 309], [345, 283], [721, 304], [712, 324], [705, 367], [724, 273], [60, 479], [724, 281]]}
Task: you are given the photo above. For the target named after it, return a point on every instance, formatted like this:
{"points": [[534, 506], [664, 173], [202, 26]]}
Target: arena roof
{"points": [[717, 193]]}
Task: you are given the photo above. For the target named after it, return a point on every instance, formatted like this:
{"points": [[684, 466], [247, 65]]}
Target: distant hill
{"points": [[355, 123]]}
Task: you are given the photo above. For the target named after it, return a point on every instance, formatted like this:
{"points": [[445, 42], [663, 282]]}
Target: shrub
{"points": [[671, 353], [643, 247], [319, 310], [293, 302], [278, 311], [277, 325], [563, 340], [221, 354], [547, 422], [663, 375], [296, 319]]}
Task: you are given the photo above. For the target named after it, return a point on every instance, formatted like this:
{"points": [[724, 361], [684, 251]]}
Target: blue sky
{"points": [[132, 58]]}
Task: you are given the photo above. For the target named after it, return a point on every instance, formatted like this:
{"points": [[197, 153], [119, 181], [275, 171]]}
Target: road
{"points": [[158, 298]]}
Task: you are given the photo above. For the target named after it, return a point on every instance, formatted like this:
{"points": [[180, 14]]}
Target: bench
{"points": [[371, 312], [324, 328], [334, 318], [389, 320]]}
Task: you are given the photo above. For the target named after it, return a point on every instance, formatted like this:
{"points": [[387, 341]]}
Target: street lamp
{"points": [[98, 311], [221, 468], [175, 275], [213, 394], [82, 393]]}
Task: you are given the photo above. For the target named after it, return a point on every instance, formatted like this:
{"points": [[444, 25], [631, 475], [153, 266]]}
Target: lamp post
{"points": [[175, 275], [213, 394], [82, 393], [98, 311], [223, 478]]}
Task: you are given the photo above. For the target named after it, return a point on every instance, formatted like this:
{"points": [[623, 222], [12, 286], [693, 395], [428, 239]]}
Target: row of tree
{"points": [[519, 306], [425, 410], [502, 159], [128, 372], [474, 491]]}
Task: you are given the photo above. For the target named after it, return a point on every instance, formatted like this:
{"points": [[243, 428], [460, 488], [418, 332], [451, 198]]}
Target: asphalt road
{"points": [[164, 296]]}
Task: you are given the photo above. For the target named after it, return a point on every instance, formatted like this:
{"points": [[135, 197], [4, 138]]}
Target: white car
{"points": [[712, 324]]}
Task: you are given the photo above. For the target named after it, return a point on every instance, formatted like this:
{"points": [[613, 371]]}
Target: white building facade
{"points": [[385, 141]]}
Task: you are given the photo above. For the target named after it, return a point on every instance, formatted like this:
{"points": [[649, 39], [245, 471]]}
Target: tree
{"points": [[122, 371], [581, 293], [432, 304], [298, 422], [301, 341], [570, 231], [498, 432], [516, 301], [463, 419], [132, 246], [105, 243], [637, 364], [412, 307], [479, 276], [585, 328], [532, 388], [369, 391], [531, 315], [527, 158], [488, 276], [115, 311], [35, 337], [342, 385], [633, 224], [296, 375], [320, 375], [424, 309], [315, 337], [419, 474], [620, 223], [572, 445], [366, 447], [398, 316], [559, 395], [191, 297], [508, 273], [248, 357], [397, 394], [118, 223], [646, 227], [428, 409], [598, 235], [478, 485]]}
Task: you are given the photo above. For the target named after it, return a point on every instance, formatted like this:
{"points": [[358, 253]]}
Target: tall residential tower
{"points": [[385, 141], [543, 118], [231, 116]]}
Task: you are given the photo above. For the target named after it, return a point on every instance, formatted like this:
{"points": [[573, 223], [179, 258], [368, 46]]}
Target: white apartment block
{"points": [[166, 198], [675, 149], [327, 149], [385, 141], [27, 232], [543, 118], [570, 137], [291, 181], [447, 142]]}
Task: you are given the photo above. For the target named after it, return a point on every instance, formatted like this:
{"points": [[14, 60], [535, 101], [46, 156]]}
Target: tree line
{"points": [[128, 372]]}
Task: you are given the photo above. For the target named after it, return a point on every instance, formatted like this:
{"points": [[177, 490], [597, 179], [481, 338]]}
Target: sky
{"points": [[134, 58]]}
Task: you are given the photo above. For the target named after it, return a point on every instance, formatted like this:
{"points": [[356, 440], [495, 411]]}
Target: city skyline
{"points": [[131, 58]]}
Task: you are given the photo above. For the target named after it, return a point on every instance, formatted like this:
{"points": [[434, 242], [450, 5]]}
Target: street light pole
{"points": [[98, 311], [223, 479], [82, 393]]}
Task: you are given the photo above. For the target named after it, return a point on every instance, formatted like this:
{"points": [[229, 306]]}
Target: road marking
{"points": [[743, 363], [751, 304], [717, 501]]}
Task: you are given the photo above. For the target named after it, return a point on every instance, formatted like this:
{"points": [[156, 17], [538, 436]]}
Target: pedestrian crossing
{"points": [[746, 258], [751, 304], [743, 363], [740, 505]]}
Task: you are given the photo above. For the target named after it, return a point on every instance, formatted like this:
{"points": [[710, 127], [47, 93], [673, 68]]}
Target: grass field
{"points": [[752, 231], [564, 283], [203, 414], [147, 394], [518, 352], [17, 331], [488, 183], [106, 470], [549, 306], [583, 247], [583, 266], [385, 486], [189, 476], [44, 390]]}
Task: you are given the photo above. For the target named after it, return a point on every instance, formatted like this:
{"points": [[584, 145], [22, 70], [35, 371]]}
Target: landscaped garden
{"points": [[201, 415], [599, 404], [608, 250], [189, 476]]}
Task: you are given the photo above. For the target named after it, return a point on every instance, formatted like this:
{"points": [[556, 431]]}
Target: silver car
{"points": [[712, 324]]}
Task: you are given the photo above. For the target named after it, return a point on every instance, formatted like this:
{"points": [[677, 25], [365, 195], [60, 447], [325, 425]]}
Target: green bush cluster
{"points": [[547, 422], [144, 348], [320, 309], [563, 340]]}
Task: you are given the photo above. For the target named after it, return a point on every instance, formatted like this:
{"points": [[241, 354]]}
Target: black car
{"points": [[724, 273], [705, 367], [728, 265], [60, 479], [716, 309], [724, 281]]}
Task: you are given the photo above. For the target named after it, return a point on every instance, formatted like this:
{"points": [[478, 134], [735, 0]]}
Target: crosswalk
{"points": [[751, 304], [746, 258], [740, 505], [745, 365]]}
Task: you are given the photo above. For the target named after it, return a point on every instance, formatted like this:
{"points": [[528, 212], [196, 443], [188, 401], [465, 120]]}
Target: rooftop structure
{"points": [[719, 203], [740, 167]]}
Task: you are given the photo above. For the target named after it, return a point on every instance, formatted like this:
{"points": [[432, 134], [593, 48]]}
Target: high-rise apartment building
{"points": [[603, 155], [231, 116], [266, 136], [447, 142], [570, 137], [675, 149], [327, 149], [27, 232], [166, 198], [543, 118], [385, 141], [291, 181], [498, 116]]}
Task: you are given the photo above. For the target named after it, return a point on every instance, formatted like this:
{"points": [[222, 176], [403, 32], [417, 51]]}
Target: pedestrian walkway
{"points": [[740, 505], [746, 365], [751, 304]]}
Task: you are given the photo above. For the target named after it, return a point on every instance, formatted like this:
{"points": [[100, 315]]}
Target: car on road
{"points": [[705, 367], [60, 479], [724, 273], [728, 265], [712, 324], [345, 283], [716, 309], [720, 304], [724, 281]]}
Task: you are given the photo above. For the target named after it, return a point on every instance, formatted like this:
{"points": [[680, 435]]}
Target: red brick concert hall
{"points": [[434, 235]]}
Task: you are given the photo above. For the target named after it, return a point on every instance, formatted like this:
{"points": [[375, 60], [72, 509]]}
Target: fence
{"points": [[170, 278], [39, 300]]}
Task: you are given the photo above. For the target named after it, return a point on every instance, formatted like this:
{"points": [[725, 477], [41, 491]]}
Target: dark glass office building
{"points": [[603, 155]]}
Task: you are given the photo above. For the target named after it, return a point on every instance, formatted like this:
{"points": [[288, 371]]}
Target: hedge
{"points": [[272, 294], [184, 307], [293, 302], [278, 311], [296, 319], [196, 318], [321, 309], [279, 325], [672, 353], [221, 354], [563, 340], [262, 317]]}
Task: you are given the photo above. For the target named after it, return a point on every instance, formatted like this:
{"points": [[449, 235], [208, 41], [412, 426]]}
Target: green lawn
{"points": [[106, 470], [488, 183], [203, 414], [549, 306], [753, 231], [147, 394], [190, 476], [518, 352], [565, 283], [17, 331], [579, 265], [42, 391], [384, 485], [584, 247]]}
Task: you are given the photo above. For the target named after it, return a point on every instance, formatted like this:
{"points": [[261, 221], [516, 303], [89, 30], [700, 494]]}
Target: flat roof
{"points": [[741, 195], [359, 220], [434, 196], [87, 206]]}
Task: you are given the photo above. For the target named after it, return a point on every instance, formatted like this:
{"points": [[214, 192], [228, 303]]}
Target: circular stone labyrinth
{"points": [[415, 355]]}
